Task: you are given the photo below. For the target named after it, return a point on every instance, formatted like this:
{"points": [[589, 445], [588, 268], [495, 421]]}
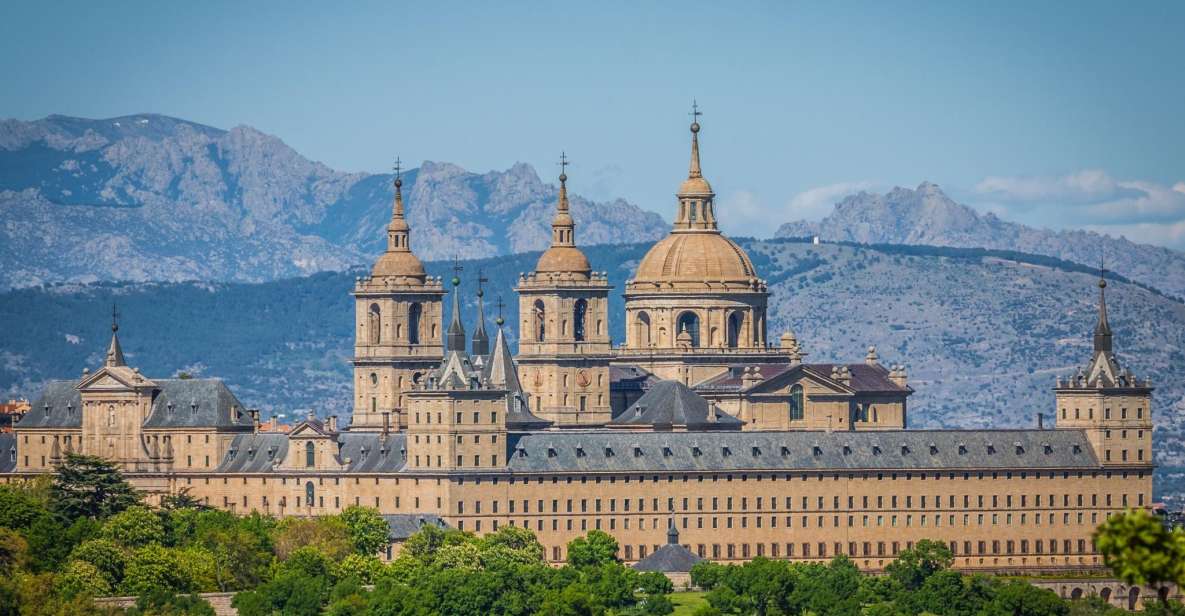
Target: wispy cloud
{"points": [[817, 202], [1088, 198]]}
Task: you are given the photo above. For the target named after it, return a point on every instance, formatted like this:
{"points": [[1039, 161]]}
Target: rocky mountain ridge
{"points": [[927, 216], [153, 198]]}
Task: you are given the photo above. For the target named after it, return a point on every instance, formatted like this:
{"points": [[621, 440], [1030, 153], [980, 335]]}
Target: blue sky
{"points": [[1056, 115]]}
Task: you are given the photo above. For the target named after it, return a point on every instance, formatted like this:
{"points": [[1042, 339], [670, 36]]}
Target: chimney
{"points": [[234, 413], [899, 376], [254, 413], [750, 377], [332, 423], [386, 424], [871, 359], [1040, 421]]}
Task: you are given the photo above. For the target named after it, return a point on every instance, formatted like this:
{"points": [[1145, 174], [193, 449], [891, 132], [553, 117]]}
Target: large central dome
{"points": [[696, 257]]}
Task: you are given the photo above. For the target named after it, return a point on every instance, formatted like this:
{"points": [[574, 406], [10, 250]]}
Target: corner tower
{"points": [[1108, 402], [696, 295], [397, 332], [564, 330]]}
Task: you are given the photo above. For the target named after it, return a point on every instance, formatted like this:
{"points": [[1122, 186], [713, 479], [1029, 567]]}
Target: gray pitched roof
{"points": [[204, 403], [65, 407], [944, 450], [400, 526], [670, 558], [366, 452], [671, 403], [7, 452], [865, 378], [211, 406]]}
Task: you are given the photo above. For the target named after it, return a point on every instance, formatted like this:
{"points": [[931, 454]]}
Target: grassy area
{"points": [[686, 602]]}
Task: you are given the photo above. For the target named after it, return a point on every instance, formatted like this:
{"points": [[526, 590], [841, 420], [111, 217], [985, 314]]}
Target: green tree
{"points": [[291, 593], [594, 549], [1140, 550], [82, 578], [152, 568], [366, 569], [183, 500], [166, 603], [368, 531], [134, 527], [89, 486], [18, 509], [1023, 599], [913, 566], [328, 535], [14, 551], [105, 555]]}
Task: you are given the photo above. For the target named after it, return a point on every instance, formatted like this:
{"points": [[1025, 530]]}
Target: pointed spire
{"points": [[481, 341], [397, 230], [694, 170], [455, 340], [563, 228], [500, 370], [1102, 331], [672, 533], [114, 351]]}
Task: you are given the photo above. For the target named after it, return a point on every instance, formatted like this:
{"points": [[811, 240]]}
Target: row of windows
{"points": [[1106, 413], [869, 549]]}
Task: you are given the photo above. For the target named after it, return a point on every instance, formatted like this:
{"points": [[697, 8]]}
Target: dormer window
{"points": [[521, 451], [1047, 447], [991, 448], [696, 451], [785, 450], [962, 448], [817, 450], [725, 451], [1020, 449], [1077, 448], [933, 449], [847, 448], [551, 452], [230, 454], [666, 452], [904, 448], [579, 451], [637, 451], [608, 452], [756, 451], [251, 453], [876, 449]]}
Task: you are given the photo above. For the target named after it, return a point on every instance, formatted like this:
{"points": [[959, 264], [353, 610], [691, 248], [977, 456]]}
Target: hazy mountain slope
{"points": [[927, 216], [149, 197]]}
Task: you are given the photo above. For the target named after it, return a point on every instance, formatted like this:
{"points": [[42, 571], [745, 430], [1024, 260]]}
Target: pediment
{"points": [[305, 430], [106, 380], [801, 374]]}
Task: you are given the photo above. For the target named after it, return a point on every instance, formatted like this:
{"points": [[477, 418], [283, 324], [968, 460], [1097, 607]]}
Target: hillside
{"points": [[927, 216], [154, 198]]}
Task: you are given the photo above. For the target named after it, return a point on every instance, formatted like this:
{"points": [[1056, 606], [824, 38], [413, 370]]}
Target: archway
{"points": [[642, 330], [374, 324], [733, 333], [689, 322], [1105, 594], [578, 314], [1133, 597], [539, 314], [1076, 593], [413, 322]]}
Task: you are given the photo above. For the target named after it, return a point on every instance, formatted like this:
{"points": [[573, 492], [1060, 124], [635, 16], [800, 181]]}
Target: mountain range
{"points": [[154, 198], [927, 216]]}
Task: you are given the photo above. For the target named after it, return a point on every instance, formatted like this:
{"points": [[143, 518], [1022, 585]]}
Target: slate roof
{"points": [[60, 396], [201, 403], [403, 525], [865, 378], [366, 452], [630, 377], [673, 404], [211, 398], [7, 452], [945, 450]]}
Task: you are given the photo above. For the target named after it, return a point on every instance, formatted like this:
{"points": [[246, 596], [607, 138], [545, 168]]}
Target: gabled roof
{"points": [[864, 378], [673, 404], [65, 407], [196, 403], [400, 526], [670, 558]]}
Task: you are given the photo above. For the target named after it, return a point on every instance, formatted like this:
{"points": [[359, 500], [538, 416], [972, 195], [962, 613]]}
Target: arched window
{"points": [[540, 315], [310, 458], [413, 322], [578, 319], [642, 330], [374, 324], [733, 335], [689, 322], [796, 402], [308, 493]]}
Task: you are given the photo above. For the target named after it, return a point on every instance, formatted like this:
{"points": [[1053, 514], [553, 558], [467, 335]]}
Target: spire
{"points": [[481, 341], [672, 533], [397, 230], [696, 209], [694, 170], [1102, 331], [562, 226], [114, 352], [500, 370], [455, 340]]}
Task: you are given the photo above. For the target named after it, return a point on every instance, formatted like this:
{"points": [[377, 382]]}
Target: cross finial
{"points": [[114, 317], [564, 162], [695, 112], [480, 279], [398, 168], [457, 267], [500, 305]]}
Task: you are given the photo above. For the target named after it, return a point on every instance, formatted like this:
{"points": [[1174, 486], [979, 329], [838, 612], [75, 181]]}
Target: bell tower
{"points": [[1108, 402], [564, 330], [397, 332]]}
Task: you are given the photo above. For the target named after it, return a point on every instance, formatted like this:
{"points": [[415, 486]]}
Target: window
{"points": [[796, 402], [308, 492], [374, 325], [413, 322], [689, 322], [733, 334], [578, 314], [539, 314], [310, 454], [642, 330]]}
